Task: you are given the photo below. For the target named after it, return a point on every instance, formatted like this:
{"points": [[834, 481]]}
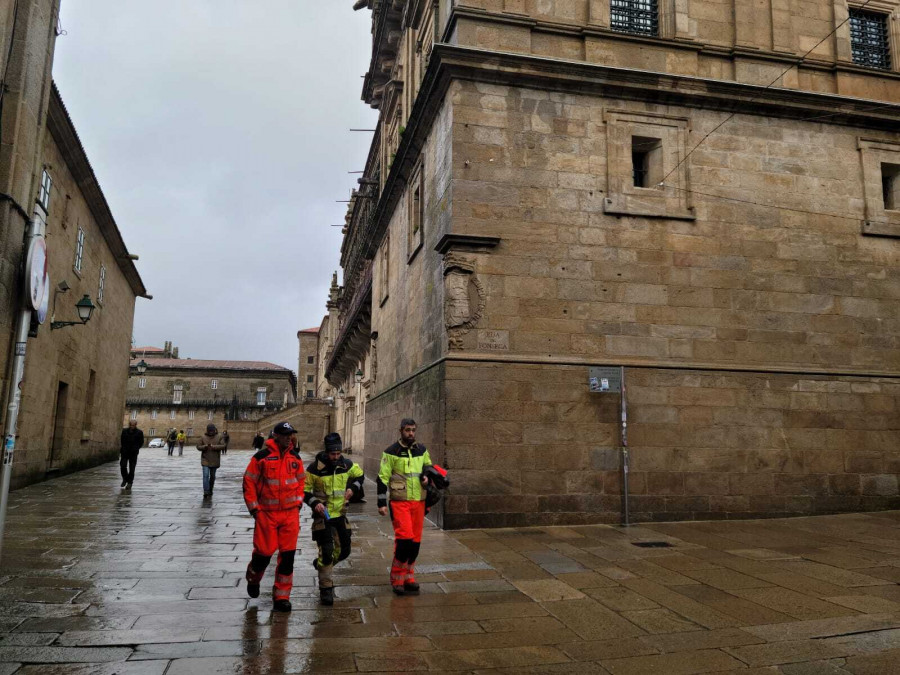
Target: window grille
{"points": [[261, 396], [134, 414], [171, 414], [214, 384], [176, 395], [634, 16], [869, 40], [142, 382], [152, 431], [154, 414], [190, 414], [209, 415]]}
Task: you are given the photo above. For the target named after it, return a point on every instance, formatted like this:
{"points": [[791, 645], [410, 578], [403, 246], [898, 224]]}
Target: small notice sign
{"points": [[493, 340], [605, 379]]}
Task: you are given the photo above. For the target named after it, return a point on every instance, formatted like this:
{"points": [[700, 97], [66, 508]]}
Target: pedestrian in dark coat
{"points": [[131, 443], [258, 441]]}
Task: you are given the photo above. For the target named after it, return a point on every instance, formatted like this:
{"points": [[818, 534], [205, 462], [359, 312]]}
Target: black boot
{"points": [[282, 606], [326, 595]]}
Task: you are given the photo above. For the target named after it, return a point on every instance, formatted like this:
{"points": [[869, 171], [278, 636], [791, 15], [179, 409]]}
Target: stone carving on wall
{"points": [[464, 297]]}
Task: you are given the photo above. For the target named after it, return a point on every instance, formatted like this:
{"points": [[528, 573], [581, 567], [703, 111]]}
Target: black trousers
{"points": [[325, 538], [127, 464]]}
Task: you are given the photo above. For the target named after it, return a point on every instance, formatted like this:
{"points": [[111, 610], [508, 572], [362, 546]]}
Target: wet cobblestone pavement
{"points": [[101, 581]]}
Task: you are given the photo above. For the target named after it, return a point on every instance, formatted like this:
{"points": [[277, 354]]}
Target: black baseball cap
{"points": [[284, 428]]}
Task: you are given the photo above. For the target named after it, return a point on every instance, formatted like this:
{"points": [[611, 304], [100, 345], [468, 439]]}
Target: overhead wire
{"points": [[781, 75]]}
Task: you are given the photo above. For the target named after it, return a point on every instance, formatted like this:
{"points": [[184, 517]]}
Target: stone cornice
{"points": [[60, 125]]}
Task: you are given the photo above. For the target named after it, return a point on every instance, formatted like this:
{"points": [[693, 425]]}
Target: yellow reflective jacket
{"points": [[327, 482], [400, 474]]}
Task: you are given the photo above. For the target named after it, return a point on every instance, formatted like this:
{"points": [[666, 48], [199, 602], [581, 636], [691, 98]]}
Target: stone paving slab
{"points": [[149, 581]]}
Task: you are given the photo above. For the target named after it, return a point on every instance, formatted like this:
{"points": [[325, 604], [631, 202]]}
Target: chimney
{"points": [[175, 353]]}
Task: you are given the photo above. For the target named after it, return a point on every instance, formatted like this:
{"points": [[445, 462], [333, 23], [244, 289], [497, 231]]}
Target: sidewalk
{"points": [[96, 580]]}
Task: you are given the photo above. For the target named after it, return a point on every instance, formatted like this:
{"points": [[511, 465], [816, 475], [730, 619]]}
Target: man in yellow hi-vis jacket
{"points": [[331, 480], [401, 478]]}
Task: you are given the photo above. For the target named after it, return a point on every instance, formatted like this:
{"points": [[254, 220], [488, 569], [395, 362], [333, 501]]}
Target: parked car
{"points": [[157, 443]]}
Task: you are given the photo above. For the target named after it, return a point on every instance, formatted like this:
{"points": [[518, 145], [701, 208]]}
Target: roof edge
{"points": [[61, 127]]}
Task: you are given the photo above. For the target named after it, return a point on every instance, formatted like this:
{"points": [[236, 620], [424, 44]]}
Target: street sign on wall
{"points": [[605, 379]]}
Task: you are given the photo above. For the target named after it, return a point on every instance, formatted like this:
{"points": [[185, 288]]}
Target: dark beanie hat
{"points": [[333, 442], [211, 429]]}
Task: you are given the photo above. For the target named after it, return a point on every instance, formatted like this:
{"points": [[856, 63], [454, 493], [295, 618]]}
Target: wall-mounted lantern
{"points": [[358, 376], [85, 309]]}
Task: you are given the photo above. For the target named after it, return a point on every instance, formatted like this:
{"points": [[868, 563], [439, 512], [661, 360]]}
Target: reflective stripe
{"points": [[338, 492], [284, 578], [281, 594], [269, 501], [272, 481], [292, 498], [414, 475], [253, 505], [291, 481], [254, 476]]}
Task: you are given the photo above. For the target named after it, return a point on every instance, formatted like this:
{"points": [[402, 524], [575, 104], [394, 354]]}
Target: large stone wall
{"points": [[76, 431], [529, 444], [754, 43]]}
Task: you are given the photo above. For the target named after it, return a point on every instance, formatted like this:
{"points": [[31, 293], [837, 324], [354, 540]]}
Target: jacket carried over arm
{"points": [[327, 482], [274, 481], [400, 473]]}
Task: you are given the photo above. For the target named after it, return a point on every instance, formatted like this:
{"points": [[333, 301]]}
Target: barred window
{"points": [[869, 41], [79, 250], [634, 16]]}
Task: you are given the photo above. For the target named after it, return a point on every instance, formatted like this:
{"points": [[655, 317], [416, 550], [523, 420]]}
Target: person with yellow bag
{"points": [[331, 481]]}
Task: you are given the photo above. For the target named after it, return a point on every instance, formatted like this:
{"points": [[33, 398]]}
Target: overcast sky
{"points": [[218, 130]]}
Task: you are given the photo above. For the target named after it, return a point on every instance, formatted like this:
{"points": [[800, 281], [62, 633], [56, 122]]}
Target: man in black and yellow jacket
{"points": [[401, 477], [331, 480]]}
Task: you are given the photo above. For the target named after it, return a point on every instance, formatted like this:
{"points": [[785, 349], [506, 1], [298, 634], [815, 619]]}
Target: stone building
{"points": [[188, 394], [308, 363], [704, 194], [74, 383]]}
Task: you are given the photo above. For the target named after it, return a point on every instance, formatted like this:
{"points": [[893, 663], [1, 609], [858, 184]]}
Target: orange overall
{"points": [[273, 492]]}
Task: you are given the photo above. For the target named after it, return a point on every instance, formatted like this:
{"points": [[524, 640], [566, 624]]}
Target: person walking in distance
{"points": [[131, 442], [401, 480], [273, 492], [171, 439], [226, 439], [331, 480], [258, 441], [210, 447], [181, 438]]}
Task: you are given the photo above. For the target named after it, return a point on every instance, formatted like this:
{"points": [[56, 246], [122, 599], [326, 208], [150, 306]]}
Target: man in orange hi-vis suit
{"points": [[273, 491]]}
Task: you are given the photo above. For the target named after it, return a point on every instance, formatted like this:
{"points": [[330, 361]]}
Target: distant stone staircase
{"points": [[311, 419]]}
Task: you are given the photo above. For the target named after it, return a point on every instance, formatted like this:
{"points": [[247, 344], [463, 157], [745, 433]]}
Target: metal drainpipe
{"points": [[624, 448]]}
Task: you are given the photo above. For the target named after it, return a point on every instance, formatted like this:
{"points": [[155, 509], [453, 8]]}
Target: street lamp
{"points": [[141, 367], [85, 309], [358, 376]]}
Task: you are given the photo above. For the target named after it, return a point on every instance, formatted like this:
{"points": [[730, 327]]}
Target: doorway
{"points": [[59, 423]]}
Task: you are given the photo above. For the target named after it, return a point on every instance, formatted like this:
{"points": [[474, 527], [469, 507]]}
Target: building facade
{"points": [[188, 394], [70, 397], [308, 363], [703, 194]]}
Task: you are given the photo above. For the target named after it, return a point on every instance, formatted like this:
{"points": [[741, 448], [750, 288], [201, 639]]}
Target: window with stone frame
{"points": [[79, 251], [134, 414], [102, 285], [154, 414], [310, 393], [416, 217], [870, 43], [647, 174], [310, 359], [640, 17], [261, 396], [44, 194], [142, 382], [214, 384], [152, 431], [172, 414], [384, 269], [189, 431], [881, 186], [190, 414], [209, 414], [177, 392]]}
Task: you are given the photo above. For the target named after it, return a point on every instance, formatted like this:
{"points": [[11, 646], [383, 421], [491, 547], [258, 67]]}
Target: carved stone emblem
{"points": [[464, 297]]}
